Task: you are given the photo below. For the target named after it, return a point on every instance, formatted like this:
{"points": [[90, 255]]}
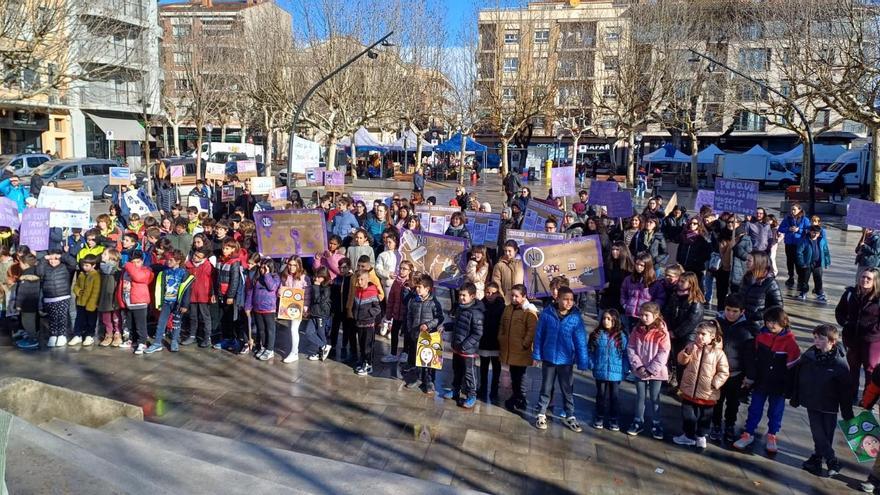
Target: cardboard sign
{"points": [[862, 434], [369, 196], [529, 237], [435, 219], [537, 213], [246, 169], [177, 173], [315, 176], [262, 185], [227, 193], [704, 197], [278, 194], [136, 204], [671, 204], [599, 189], [215, 171], [619, 204], [863, 213], [334, 181], [70, 209], [290, 303], [34, 231], [120, 176], [442, 257], [9, 213], [563, 182], [429, 350], [736, 196], [304, 154], [578, 259], [484, 228], [283, 233]]}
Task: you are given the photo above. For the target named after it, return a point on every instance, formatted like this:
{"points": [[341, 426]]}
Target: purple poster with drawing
{"points": [[562, 182], [35, 229], [599, 191], [863, 213], [9, 214], [282, 233], [579, 260], [619, 204]]}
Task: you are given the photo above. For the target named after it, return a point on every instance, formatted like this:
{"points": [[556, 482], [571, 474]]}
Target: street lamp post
{"points": [[368, 50], [812, 177]]}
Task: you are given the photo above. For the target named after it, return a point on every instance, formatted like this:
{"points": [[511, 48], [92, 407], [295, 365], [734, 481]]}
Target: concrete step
{"points": [[171, 472], [292, 469], [39, 462]]}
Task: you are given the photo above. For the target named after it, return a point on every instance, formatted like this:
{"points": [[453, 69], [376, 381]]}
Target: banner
{"points": [[529, 237], [290, 303], [579, 260], [862, 434], [484, 228], [429, 350], [619, 204], [203, 204], [227, 193], [334, 181], [283, 233], [136, 204], [304, 154], [34, 231], [216, 171], [537, 213], [736, 196], [442, 257], [435, 219], [262, 185], [369, 196], [9, 213], [562, 181], [704, 197], [246, 169], [863, 213], [177, 173], [70, 209], [120, 176], [599, 189]]}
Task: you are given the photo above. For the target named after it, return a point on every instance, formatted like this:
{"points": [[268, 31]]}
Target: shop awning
{"points": [[123, 129]]}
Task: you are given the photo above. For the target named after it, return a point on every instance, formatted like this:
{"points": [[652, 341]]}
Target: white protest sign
{"points": [[69, 209], [135, 205], [304, 154]]}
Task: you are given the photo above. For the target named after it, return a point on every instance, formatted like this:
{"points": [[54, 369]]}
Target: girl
{"points": [[108, 306], [488, 351], [261, 303], [515, 338], [651, 241], [395, 310], [734, 246], [458, 227], [365, 309], [682, 312], [166, 227], [227, 285], [619, 266], [388, 261], [607, 347], [648, 351], [776, 350], [293, 275], [360, 245], [509, 270], [110, 235], [759, 288], [319, 316], [330, 258], [634, 290], [200, 243], [705, 371], [635, 225], [522, 201], [402, 217], [478, 269], [794, 227]]}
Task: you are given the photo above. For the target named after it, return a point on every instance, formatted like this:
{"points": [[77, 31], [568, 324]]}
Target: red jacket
{"points": [[203, 286], [136, 282]]}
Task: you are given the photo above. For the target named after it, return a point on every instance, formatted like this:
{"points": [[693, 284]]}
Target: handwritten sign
{"points": [[9, 213], [528, 237], [262, 185], [619, 204], [290, 303], [304, 155], [736, 196], [334, 181], [562, 181], [120, 176], [246, 168], [136, 204], [215, 171], [863, 213], [537, 213], [70, 209], [704, 198], [35, 229], [315, 176], [579, 260], [282, 233], [599, 189]]}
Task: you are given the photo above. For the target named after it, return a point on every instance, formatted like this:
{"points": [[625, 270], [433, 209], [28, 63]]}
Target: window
{"points": [[682, 89], [36, 161], [539, 93], [511, 64], [540, 64], [822, 118], [573, 35], [68, 173], [508, 93], [538, 122], [17, 163], [181, 84], [752, 92], [612, 33], [609, 91], [181, 31], [785, 88], [753, 31], [854, 127], [567, 68], [611, 63], [748, 121], [182, 58], [754, 59], [95, 169], [542, 36], [511, 37], [59, 125]]}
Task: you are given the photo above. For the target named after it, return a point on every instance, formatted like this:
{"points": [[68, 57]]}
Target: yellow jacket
{"points": [[87, 289], [97, 250]]}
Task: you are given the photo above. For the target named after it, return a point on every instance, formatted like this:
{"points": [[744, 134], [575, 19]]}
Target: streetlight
{"points": [[793, 105], [366, 51]]}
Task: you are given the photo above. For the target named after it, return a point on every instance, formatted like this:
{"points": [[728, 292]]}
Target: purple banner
{"points": [[562, 182], [736, 196], [35, 229], [863, 213], [579, 260], [619, 204], [282, 233], [599, 191], [9, 214]]}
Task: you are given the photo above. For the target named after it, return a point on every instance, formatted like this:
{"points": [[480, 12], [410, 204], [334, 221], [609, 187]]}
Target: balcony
{"points": [[125, 53], [134, 12], [104, 95]]}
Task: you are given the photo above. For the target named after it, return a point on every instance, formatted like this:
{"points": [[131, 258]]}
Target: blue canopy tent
{"points": [[453, 145]]}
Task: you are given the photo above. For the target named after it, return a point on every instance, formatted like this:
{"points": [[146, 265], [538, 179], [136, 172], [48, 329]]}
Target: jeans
{"points": [[607, 394], [643, 388], [200, 312], [550, 374], [708, 278], [170, 310], [695, 419], [730, 397], [137, 320], [266, 328], [366, 336], [85, 323], [822, 426], [317, 331], [804, 273], [774, 412], [463, 380], [518, 383], [485, 362]]}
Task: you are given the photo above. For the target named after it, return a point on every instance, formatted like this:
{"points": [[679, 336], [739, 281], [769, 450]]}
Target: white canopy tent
{"points": [[410, 140], [363, 140], [660, 156]]}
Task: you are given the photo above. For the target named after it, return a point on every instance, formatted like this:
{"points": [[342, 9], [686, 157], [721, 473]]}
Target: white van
{"points": [[251, 150], [766, 170], [852, 168]]}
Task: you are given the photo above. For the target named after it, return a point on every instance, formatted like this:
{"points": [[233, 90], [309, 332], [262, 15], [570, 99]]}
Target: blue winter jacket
{"points": [[805, 253], [608, 361], [561, 340], [17, 194], [343, 223], [788, 222]]}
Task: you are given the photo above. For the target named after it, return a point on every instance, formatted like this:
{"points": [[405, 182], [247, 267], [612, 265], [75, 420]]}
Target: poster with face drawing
{"points": [[579, 260], [862, 434], [290, 304], [442, 257], [429, 350]]}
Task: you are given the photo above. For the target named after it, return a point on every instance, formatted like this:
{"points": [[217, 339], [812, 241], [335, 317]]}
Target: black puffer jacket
{"points": [[673, 227], [656, 247], [693, 255], [319, 302], [423, 311], [614, 276], [467, 328], [27, 291], [859, 317], [56, 280], [682, 317], [739, 343], [822, 382], [491, 323], [759, 296]]}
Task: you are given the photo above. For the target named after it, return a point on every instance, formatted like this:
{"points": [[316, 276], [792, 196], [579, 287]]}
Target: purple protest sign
{"points": [[35, 229], [599, 190], [619, 204], [736, 196], [9, 214], [579, 260], [334, 181], [704, 197], [282, 233], [863, 213], [562, 182]]}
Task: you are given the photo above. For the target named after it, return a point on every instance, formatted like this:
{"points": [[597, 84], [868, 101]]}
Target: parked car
{"points": [[23, 164], [93, 173]]}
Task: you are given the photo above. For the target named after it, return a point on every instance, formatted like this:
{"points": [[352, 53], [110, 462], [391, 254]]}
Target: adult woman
{"points": [[759, 289], [360, 212], [595, 226], [742, 246], [635, 290], [858, 312], [294, 275], [572, 226], [515, 337], [651, 241], [509, 270], [653, 210], [794, 226], [682, 312], [674, 224], [458, 227], [477, 270], [693, 249], [525, 194], [376, 223], [619, 266]]}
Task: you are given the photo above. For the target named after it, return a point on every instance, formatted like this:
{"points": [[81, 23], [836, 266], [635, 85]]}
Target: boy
{"points": [[467, 329], [560, 342], [134, 296], [365, 309], [192, 217], [423, 314], [75, 242], [181, 239], [151, 237], [813, 256], [129, 244], [201, 298], [92, 246], [135, 226], [221, 233], [339, 292], [172, 298], [56, 272], [739, 344], [27, 302], [86, 291], [822, 385]]}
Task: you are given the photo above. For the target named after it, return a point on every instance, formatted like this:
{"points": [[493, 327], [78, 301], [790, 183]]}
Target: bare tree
{"points": [[462, 114]]}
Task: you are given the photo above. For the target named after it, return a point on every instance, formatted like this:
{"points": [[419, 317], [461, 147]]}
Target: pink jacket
{"points": [[329, 261], [633, 295], [649, 349]]}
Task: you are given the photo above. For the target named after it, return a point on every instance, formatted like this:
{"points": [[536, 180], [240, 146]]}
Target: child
{"points": [[704, 372], [467, 329], [294, 275], [489, 355], [135, 226], [75, 242], [226, 286], [648, 351], [86, 292], [108, 306], [813, 256], [193, 226], [330, 258], [739, 345], [607, 347], [364, 264], [869, 399], [560, 342], [361, 246], [515, 339], [423, 314], [776, 351], [171, 299], [181, 239], [319, 317], [822, 385], [365, 308], [27, 302], [201, 298], [635, 290], [395, 310], [55, 272], [261, 302], [338, 296], [129, 244], [133, 294], [92, 246]]}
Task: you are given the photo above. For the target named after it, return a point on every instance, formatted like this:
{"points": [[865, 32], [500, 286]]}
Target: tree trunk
{"points": [[695, 144], [631, 157], [198, 153], [419, 151], [574, 144], [175, 130], [874, 165], [806, 169], [268, 142], [147, 163], [223, 133], [353, 158], [504, 157], [242, 137], [461, 159], [330, 156], [165, 138]]}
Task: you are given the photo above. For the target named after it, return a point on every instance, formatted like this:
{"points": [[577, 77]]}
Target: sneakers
{"points": [[834, 467], [175, 347], [402, 358], [19, 334], [52, 341], [189, 340], [822, 298], [325, 351], [541, 422], [390, 358], [715, 433], [292, 357], [364, 370], [867, 486], [744, 441], [27, 344], [813, 465], [701, 443], [106, 341], [155, 347], [125, 344], [245, 350], [613, 426], [730, 434], [412, 384], [449, 394], [789, 284], [140, 349], [802, 296], [429, 388], [634, 429], [598, 423], [61, 342], [218, 346], [117, 340], [684, 440], [313, 357], [771, 446], [657, 431], [76, 340], [88, 341], [266, 355], [204, 344], [572, 423], [470, 402]]}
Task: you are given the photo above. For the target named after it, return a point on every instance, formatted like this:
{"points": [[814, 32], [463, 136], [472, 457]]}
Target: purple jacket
{"points": [[262, 294], [633, 295]]}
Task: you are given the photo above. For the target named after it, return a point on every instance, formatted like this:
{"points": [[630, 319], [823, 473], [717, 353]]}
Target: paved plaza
{"points": [[326, 410]]}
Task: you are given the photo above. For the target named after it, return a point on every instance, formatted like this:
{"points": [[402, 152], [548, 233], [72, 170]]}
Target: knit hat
{"points": [[507, 210], [486, 207]]}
